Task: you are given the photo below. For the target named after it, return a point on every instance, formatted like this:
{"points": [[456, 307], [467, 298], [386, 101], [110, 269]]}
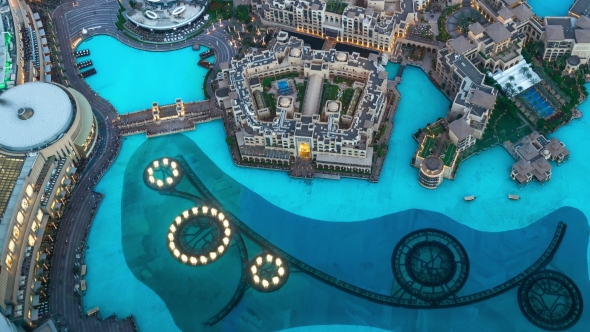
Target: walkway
{"points": [[65, 304]]}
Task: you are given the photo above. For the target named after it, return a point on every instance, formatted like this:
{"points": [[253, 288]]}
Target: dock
{"points": [[205, 64], [88, 73], [81, 53], [196, 47], [84, 64], [207, 54]]}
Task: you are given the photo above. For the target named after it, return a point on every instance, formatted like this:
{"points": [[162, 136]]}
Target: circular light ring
{"points": [[199, 236], [429, 264], [550, 300], [267, 272], [163, 174]]}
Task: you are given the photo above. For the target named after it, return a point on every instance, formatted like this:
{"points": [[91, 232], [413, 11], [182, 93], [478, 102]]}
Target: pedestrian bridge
{"points": [[167, 119]]}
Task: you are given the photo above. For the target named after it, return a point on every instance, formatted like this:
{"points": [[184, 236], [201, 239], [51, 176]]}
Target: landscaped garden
{"points": [[329, 92]]}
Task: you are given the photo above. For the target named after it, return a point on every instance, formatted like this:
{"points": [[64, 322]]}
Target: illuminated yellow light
{"points": [[275, 280], [226, 241], [172, 246], [221, 216], [173, 164], [176, 252], [156, 164], [281, 271], [172, 228], [152, 179], [265, 283], [259, 261], [213, 255], [225, 223], [220, 249], [175, 173], [256, 279], [169, 180], [205, 209], [183, 258], [165, 161], [214, 212], [254, 269], [269, 258], [227, 232], [203, 259], [278, 262], [171, 237], [150, 171], [159, 183], [193, 260], [195, 210]]}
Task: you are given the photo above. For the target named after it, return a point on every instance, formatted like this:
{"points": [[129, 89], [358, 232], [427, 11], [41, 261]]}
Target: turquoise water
{"points": [[551, 7], [132, 79], [486, 176]]}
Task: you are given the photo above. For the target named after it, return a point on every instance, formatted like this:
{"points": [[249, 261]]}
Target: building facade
{"points": [[47, 129]]}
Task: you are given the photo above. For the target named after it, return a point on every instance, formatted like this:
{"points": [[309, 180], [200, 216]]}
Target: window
{"points": [[11, 245], [20, 218], [39, 215], [31, 240], [8, 261], [29, 191], [16, 232], [24, 204]]}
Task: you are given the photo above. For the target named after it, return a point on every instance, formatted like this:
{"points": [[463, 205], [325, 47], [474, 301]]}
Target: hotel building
{"points": [[46, 128], [332, 136]]}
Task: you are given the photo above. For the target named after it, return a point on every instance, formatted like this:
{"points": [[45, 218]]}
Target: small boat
{"points": [[513, 197], [469, 198]]}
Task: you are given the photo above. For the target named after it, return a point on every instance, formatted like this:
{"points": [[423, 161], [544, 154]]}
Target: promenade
{"points": [[69, 19]]}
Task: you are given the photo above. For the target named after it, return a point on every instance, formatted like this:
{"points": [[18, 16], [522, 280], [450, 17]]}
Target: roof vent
{"points": [[25, 113]]}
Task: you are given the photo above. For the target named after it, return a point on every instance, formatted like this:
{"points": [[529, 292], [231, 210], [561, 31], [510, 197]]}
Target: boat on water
{"points": [[513, 197], [469, 198]]}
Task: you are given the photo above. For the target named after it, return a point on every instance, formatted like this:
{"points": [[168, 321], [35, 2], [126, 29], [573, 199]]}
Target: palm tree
{"points": [[520, 89], [524, 70], [511, 78], [508, 88]]}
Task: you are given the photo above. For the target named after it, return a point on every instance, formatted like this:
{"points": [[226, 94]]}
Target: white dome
{"points": [[33, 115], [284, 102], [341, 56], [295, 52], [333, 106]]}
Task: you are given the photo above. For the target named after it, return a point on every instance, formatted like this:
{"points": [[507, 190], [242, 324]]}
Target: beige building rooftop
{"points": [[498, 32], [483, 99]]}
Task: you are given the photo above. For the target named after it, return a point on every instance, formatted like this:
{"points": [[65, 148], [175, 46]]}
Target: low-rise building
{"points": [[532, 153], [333, 137]]}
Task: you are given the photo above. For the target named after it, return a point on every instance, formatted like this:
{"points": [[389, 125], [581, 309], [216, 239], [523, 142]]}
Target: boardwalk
{"points": [[169, 121]]}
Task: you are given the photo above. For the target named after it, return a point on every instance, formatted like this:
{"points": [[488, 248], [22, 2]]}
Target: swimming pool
{"points": [[551, 8], [132, 79], [538, 103]]}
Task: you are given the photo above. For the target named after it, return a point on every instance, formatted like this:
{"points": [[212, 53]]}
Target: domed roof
{"points": [[341, 56], [33, 115], [295, 52], [333, 106], [284, 102]]}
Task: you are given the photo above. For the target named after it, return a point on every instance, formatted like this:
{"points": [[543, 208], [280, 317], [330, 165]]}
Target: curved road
{"points": [[79, 213]]}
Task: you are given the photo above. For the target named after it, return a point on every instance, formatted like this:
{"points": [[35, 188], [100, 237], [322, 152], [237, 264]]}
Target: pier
{"points": [[167, 119], [81, 53], [84, 64], [88, 73], [207, 54]]}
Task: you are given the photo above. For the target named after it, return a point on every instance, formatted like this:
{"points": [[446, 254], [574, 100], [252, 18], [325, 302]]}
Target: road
{"points": [[69, 19]]}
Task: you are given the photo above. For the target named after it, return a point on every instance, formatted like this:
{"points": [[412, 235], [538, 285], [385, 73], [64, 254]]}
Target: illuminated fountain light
{"points": [[159, 183], [156, 163], [165, 161], [173, 164], [152, 179], [269, 273], [175, 172], [150, 171], [169, 180], [188, 218]]}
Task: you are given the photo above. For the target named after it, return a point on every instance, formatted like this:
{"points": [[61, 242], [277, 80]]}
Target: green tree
{"points": [[230, 140], [242, 13], [266, 82]]}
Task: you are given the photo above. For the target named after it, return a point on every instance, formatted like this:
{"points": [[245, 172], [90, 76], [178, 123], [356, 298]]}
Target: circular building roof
{"points": [[33, 115], [333, 106], [573, 60], [295, 52], [341, 56], [284, 102]]}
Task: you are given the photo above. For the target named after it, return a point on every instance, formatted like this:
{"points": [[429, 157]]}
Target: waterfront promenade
{"points": [[69, 19]]}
